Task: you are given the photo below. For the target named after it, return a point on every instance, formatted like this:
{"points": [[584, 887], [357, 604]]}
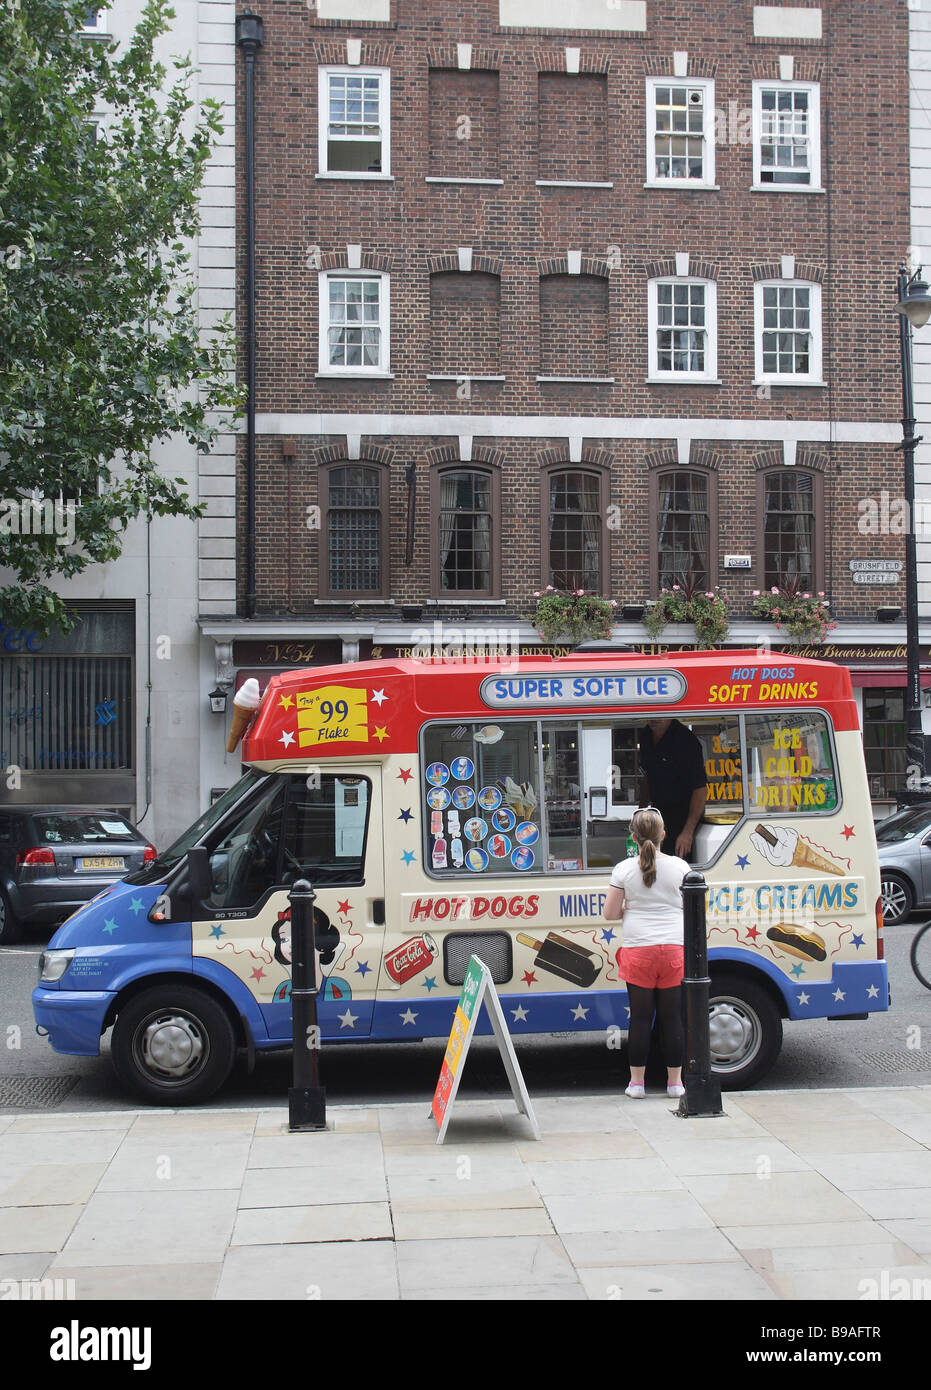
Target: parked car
{"points": [[904, 843], [54, 859]]}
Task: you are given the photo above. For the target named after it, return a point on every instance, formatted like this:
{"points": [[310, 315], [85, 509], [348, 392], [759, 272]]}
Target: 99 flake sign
{"points": [[333, 713]]}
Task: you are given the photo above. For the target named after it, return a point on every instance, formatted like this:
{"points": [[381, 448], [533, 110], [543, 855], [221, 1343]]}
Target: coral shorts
{"points": [[651, 967]]}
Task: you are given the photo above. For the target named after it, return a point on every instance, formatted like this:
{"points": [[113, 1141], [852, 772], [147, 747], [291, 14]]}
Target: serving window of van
{"points": [[556, 795]]}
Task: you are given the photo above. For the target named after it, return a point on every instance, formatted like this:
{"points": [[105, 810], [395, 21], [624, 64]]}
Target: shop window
{"points": [[884, 741]]}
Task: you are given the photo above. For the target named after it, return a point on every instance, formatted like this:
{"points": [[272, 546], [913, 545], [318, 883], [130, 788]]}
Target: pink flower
{"points": [[709, 595], [774, 590], [675, 588], [821, 593], [579, 593], [756, 593], [536, 593], [806, 595], [549, 589]]}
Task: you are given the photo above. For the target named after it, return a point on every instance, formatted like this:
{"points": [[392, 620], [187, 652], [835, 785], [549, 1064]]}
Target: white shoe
{"points": [[635, 1092]]}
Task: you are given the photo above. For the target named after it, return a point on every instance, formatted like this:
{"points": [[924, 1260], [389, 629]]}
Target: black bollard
{"points": [[306, 1097], [702, 1087]]}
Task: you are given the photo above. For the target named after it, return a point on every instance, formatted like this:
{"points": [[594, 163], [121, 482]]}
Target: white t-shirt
{"points": [[653, 916]]}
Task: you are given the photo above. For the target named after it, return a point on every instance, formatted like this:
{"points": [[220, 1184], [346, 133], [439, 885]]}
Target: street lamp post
{"points": [[914, 308]]}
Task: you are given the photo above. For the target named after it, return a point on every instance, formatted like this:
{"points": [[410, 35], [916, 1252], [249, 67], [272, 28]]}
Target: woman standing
{"points": [[644, 894]]}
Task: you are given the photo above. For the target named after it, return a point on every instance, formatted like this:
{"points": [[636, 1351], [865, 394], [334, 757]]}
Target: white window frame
{"points": [[813, 377], [814, 136], [706, 86], [382, 369], [384, 121], [710, 370], [98, 26]]}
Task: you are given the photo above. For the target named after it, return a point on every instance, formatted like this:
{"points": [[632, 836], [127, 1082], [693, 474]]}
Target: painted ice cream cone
{"points": [[245, 703], [807, 858]]}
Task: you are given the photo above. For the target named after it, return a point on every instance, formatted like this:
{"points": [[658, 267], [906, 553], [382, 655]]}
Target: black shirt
{"points": [[674, 768]]}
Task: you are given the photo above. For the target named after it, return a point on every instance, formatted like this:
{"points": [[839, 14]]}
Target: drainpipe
{"points": [[250, 36]]}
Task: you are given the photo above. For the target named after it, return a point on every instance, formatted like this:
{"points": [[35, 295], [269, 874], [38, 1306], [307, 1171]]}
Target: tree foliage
{"points": [[100, 351]]}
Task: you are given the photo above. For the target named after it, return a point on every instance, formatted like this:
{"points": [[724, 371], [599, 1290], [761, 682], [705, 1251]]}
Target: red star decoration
{"points": [[753, 933], [848, 831], [529, 977], [405, 774], [343, 907], [258, 974]]}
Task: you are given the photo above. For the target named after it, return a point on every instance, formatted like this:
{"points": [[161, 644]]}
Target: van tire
{"points": [[11, 928], [746, 1031], [173, 1045]]}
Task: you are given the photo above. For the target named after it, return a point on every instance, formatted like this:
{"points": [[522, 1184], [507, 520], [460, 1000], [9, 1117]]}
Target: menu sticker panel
{"points": [[334, 713]]}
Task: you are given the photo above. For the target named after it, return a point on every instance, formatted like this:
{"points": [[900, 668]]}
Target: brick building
{"points": [[597, 295]]}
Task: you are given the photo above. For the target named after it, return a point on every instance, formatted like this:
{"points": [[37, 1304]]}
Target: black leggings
{"points": [[667, 1005]]}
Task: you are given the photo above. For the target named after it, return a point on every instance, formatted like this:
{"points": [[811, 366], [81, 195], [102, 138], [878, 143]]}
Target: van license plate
{"points": [[100, 862]]}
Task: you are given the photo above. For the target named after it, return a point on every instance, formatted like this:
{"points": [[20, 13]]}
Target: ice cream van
{"points": [[445, 809]]}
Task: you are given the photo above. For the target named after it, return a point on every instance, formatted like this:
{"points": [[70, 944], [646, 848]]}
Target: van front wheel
{"points": [[173, 1045], [745, 1030]]}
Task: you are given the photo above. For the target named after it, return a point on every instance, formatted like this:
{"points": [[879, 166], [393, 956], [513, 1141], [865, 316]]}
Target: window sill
{"points": [[465, 600], [789, 382], [354, 376], [594, 380], [462, 376], [784, 188], [572, 183], [435, 178], [691, 185], [357, 174], [683, 379], [353, 598]]}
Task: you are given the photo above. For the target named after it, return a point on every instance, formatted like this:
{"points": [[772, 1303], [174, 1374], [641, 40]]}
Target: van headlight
{"points": [[53, 964]]}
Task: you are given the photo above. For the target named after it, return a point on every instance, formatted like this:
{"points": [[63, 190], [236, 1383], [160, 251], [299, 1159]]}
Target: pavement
{"points": [[791, 1195]]}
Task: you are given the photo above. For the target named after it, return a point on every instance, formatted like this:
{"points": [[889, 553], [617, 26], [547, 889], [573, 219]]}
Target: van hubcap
{"points": [[172, 1045], [734, 1033]]}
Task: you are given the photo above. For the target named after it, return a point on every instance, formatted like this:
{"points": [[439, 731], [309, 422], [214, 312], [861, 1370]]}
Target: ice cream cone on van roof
{"points": [[245, 703]]}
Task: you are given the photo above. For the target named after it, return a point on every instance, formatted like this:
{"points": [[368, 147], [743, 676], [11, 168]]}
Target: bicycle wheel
{"points": [[921, 955]]}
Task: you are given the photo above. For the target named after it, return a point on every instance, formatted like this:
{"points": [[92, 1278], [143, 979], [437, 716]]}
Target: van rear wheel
{"points": [[745, 1030], [173, 1045]]}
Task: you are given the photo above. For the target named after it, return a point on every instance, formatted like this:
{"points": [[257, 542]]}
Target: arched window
{"points": [[353, 555], [574, 530], [791, 514], [683, 529], [464, 504]]}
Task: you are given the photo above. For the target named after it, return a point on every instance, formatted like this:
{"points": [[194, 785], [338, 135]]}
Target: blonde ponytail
{"points": [[648, 830]]}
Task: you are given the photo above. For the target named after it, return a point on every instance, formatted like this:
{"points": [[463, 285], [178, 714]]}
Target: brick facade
{"points": [[557, 287]]}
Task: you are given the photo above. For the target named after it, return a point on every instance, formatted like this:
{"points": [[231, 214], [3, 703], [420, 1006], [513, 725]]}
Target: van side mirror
{"points": [[198, 871]]}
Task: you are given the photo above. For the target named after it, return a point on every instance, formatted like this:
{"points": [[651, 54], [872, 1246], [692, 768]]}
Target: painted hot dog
{"points": [[795, 942]]}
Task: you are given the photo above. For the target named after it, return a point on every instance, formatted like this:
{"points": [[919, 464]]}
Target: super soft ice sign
{"points": [[583, 689]]}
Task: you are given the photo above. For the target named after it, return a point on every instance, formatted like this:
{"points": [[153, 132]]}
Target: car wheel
{"points": [[745, 1030], [173, 1045], [11, 928], [898, 899]]}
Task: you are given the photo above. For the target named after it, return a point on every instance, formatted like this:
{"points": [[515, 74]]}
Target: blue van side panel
{"points": [[855, 987], [239, 996]]}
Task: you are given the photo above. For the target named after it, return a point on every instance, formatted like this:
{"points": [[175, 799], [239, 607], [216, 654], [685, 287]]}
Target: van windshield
{"points": [[171, 856]]}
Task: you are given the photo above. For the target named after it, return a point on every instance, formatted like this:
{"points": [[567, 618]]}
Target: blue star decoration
{"points": [[405, 816], [135, 906], [607, 934], [363, 968], [109, 926], [429, 982], [742, 861], [798, 970], [857, 940], [217, 931], [408, 856]]}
